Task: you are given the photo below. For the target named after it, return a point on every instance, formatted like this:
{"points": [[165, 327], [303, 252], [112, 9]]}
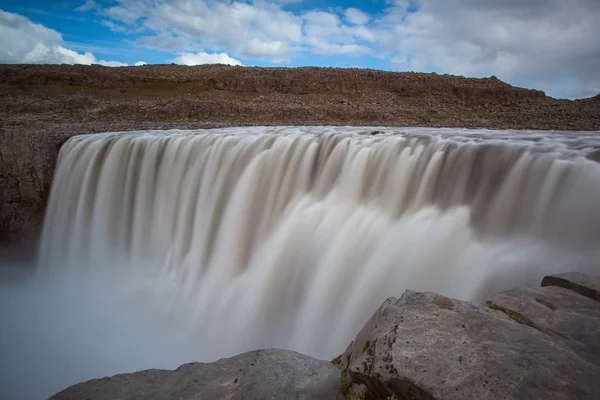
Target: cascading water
{"points": [[235, 239]]}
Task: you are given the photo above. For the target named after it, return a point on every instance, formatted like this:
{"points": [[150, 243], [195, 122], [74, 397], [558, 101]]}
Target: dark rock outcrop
{"points": [[584, 285], [26, 169], [523, 344], [260, 375]]}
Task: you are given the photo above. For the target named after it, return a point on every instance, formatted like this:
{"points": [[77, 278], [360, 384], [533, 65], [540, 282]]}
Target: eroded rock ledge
{"points": [[262, 374], [527, 343]]}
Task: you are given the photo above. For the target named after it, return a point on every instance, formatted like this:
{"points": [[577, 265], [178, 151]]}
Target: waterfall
{"points": [[292, 236]]}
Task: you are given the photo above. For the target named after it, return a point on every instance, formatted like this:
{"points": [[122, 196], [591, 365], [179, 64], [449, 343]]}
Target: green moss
{"points": [[347, 392], [357, 396], [345, 387], [366, 346], [515, 316], [336, 360]]}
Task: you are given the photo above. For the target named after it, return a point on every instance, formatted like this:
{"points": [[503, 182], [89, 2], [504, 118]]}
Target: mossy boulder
{"points": [[427, 346]]}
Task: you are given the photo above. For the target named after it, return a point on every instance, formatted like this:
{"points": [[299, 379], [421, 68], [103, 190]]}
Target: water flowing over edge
{"points": [[228, 240]]}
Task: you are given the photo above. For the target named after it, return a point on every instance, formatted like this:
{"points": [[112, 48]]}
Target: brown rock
{"points": [[260, 375], [585, 285]]}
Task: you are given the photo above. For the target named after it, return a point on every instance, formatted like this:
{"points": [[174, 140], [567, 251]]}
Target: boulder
{"points": [[585, 285], [261, 374], [427, 346], [561, 313]]}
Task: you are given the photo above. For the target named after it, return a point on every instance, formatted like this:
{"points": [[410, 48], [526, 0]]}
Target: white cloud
{"points": [[205, 58], [167, 42], [326, 34], [243, 29], [356, 17], [140, 63], [113, 27], [109, 63], [255, 29], [334, 48], [22, 41], [126, 15], [257, 48], [87, 6], [67, 56], [547, 44]]}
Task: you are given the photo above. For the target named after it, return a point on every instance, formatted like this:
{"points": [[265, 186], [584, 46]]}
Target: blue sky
{"points": [[551, 45]]}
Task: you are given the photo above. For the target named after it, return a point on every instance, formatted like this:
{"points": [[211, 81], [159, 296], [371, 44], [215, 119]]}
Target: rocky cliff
{"points": [[42, 105]]}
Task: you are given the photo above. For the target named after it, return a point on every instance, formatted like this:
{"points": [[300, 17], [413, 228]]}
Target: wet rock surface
{"points": [[522, 344], [262, 374], [587, 286], [560, 313]]}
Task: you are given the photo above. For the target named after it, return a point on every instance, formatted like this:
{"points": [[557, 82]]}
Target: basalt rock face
{"points": [[522, 344], [42, 105], [26, 168], [260, 375]]}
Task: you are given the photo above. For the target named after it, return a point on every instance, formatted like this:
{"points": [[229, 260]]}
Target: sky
{"points": [[549, 45]]}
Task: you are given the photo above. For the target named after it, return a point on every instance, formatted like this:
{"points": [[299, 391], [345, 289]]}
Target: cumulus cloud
{"points": [[548, 44], [257, 48], [87, 6], [205, 58], [356, 17], [113, 27], [167, 42], [326, 33], [140, 63], [22, 41], [255, 29], [243, 29]]}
